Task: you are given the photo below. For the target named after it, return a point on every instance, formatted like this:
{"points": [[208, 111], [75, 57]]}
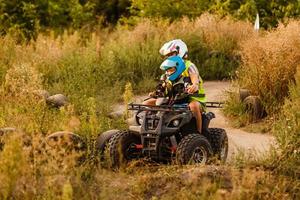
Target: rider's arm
{"points": [[194, 75], [160, 88]]}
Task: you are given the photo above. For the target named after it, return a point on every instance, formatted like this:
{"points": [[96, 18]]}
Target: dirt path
{"points": [[254, 144]]}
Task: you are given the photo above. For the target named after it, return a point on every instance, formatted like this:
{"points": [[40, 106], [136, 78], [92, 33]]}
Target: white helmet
{"points": [[174, 46]]}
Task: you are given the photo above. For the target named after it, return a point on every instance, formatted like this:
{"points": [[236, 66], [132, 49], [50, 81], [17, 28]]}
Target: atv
{"points": [[166, 132]]}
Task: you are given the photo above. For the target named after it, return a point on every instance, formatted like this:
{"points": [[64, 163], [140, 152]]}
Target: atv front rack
{"points": [[166, 108], [169, 108]]}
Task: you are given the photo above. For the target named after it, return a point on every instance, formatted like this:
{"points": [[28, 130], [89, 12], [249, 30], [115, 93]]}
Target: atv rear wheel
{"points": [[219, 143], [122, 148], [193, 149]]}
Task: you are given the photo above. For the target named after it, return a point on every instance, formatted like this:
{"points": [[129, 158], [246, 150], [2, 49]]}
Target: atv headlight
{"points": [[175, 122]]}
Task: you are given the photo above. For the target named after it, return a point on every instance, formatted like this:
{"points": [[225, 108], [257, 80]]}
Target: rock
{"points": [[66, 139], [57, 100]]}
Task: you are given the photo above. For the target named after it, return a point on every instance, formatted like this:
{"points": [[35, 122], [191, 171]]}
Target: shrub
{"points": [[269, 64], [287, 132]]}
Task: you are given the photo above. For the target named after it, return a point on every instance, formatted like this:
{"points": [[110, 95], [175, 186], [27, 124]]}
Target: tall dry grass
{"points": [[269, 64], [47, 176]]}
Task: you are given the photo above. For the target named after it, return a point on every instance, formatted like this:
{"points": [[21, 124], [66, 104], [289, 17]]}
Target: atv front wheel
{"points": [[102, 142], [122, 148], [219, 143], [193, 149]]}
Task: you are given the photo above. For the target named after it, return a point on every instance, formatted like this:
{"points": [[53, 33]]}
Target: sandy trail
{"points": [[256, 144]]}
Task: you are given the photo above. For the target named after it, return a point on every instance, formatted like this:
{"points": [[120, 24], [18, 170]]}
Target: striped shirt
{"points": [[193, 69]]}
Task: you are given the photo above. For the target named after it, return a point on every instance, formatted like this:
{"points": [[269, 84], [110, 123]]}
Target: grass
{"points": [[269, 65], [287, 130], [51, 177], [93, 75], [236, 110]]}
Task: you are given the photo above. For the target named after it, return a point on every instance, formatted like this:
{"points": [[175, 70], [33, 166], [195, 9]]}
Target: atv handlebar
{"points": [[168, 108]]}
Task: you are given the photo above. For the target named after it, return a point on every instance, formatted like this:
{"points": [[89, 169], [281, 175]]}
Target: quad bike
{"points": [[167, 132]]}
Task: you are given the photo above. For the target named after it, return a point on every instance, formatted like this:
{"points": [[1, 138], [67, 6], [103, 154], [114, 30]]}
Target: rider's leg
{"points": [[150, 102], [195, 108]]}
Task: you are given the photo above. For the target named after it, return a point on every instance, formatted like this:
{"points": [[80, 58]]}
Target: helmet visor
{"points": [[167, 64]]}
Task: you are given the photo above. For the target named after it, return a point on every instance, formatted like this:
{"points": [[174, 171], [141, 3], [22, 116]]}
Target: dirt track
{"points": [[254, 144]]}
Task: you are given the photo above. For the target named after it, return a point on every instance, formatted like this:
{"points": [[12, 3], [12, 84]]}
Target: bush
{"points": [[269, 64], [287, 132]]}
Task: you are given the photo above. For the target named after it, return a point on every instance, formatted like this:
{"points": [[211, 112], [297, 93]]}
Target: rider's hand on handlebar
{"points": [[191, 89]]}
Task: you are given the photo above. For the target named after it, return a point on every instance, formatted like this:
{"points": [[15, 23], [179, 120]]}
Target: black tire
{"points": [[102, 142], [219, 143], [121, 148], [193, 149], [244, 93], [254, 107]]}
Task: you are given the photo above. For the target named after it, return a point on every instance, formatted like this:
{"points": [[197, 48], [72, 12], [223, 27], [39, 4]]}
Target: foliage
{"points": [[271, 12], [26, 18], [287, 131], [234, 108], [171, 9], [269, 65], [93, 73]]}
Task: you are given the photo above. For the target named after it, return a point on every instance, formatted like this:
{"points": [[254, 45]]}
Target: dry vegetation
{"points": [[93, 74], [269, 64]]}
